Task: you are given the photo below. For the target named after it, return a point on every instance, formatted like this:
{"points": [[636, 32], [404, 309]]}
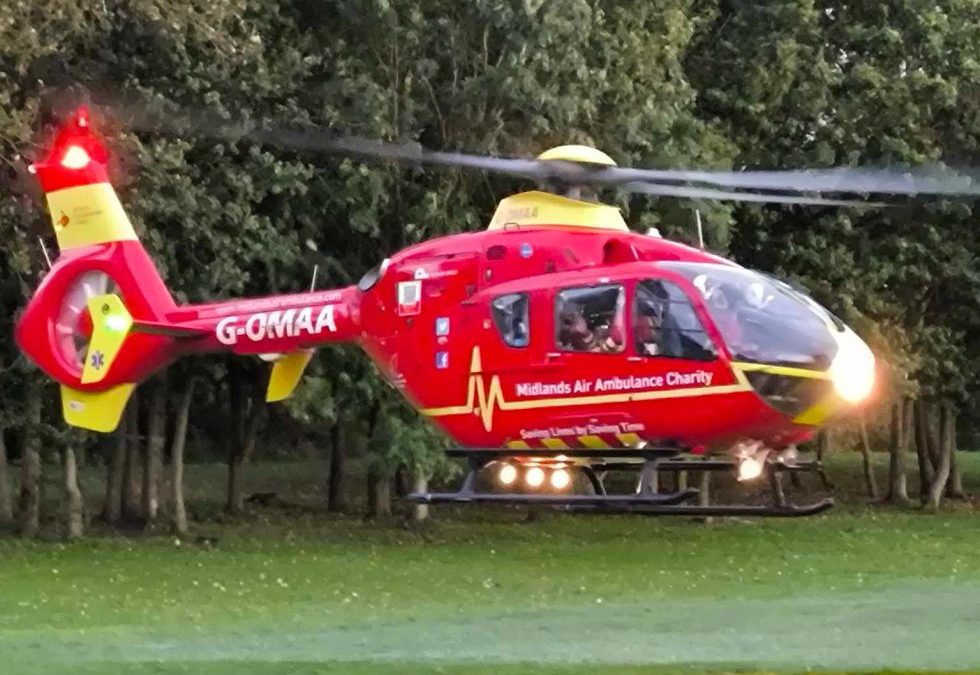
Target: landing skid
{"points": [[646, 500]]}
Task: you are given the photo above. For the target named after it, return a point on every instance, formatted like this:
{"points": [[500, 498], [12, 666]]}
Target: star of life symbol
{"points": [[97, 360]]}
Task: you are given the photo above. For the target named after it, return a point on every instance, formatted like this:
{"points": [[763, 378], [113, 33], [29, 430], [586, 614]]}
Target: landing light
{"points": [[749, 468], [75, 157], [560, 479], [534, 476], [853, 369], [507, 474]]}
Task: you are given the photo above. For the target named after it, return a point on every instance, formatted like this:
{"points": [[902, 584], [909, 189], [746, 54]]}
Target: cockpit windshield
{"points": [[761, 319]]}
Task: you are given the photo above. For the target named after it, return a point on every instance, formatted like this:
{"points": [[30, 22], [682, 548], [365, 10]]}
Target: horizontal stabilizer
{"points": [[168, 329], [286, 374], [95, 410]]}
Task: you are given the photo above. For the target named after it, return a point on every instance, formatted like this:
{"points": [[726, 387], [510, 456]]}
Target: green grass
{"points": [[485, 592]]}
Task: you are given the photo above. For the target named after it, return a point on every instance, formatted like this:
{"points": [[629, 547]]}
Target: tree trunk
{"points": [[336, 497], [236, 468], [112, 504], [420, 512], [131, 474], [379, 494], [30, 464], [823, 445], [897, 480], [823, 451], [946, 432], [177, 456], [402, 481], [156, 437], [934, 437], [954, 486], [74, 506], [6, 501], [922, 448], [869, 473]]}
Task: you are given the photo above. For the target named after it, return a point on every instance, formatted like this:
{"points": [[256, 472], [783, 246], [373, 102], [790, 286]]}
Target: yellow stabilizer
{"points": [[286, 374], [95, 410], [110, 325]]}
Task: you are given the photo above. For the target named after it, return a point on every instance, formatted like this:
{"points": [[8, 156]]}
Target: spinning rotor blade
{"points": [[932, 181], [761, 197], [665, 182]]}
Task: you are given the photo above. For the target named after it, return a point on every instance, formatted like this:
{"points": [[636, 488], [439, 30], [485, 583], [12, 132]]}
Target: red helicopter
{"points": [[554, 347]]}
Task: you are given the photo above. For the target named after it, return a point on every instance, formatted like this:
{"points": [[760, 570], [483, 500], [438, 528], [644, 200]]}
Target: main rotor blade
{"points": [[760, 197], [400, 152], [918, 180], [317, 139]]}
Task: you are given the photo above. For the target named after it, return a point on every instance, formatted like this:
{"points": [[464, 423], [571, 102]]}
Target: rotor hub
{"points": [[580, 154]]}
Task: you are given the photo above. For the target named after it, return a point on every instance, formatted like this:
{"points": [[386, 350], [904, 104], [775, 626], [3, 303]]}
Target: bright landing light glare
{"points": [[507, 475], [749, 468], [534, 476], [853, 369], [560, 478]]}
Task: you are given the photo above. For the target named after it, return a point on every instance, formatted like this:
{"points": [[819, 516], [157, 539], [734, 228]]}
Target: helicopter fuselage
{"points": [[431, 325]]}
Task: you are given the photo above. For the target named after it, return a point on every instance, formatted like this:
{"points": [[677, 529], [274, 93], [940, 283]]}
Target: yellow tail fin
{"points": [[97, 410], [286, 373], [111, 322]]}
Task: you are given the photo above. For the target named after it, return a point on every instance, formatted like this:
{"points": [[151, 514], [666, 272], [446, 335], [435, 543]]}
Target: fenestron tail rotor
{"points": [[73, 324]]}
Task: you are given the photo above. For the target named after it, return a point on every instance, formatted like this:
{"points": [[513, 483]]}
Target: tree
{"points": [[947, 426], [74, 504], [901, 424], [112, 505], [30, 481], [156, 438], [177, 455]]}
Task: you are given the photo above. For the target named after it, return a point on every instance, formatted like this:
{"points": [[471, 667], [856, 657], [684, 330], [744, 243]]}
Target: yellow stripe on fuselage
{"points": [[592, 442]]}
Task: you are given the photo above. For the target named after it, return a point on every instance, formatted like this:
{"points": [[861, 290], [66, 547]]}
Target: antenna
{"points": [[697, 216], [316, 268], [44, 250]]}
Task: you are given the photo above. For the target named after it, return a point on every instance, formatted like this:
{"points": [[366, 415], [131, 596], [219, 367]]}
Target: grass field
{"points": [[486, 592]]}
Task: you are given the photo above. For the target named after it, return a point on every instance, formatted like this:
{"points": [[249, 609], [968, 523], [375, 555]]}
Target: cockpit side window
{"points": [[511, 314], [590, 319], [666, 325]]}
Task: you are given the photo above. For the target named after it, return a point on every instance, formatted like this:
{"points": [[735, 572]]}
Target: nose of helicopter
{"points": [[852, 371]]}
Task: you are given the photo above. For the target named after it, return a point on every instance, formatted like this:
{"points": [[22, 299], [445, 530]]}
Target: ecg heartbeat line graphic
{"points": [[483, 401]]}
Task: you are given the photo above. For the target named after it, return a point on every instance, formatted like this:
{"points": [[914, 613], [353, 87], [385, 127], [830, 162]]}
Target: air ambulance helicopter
{"points": [[554, 347]]}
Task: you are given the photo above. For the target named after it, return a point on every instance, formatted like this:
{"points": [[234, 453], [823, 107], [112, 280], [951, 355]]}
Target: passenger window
{"points": [[665, 323], [590, 319], [510, 314]]}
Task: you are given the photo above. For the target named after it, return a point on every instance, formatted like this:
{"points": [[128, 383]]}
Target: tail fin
{"points": [[84, 208], [102, 319], [101, 291]]}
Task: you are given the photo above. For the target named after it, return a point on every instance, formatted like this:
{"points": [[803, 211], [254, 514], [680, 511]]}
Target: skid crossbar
{"points": [[646, 500]]}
